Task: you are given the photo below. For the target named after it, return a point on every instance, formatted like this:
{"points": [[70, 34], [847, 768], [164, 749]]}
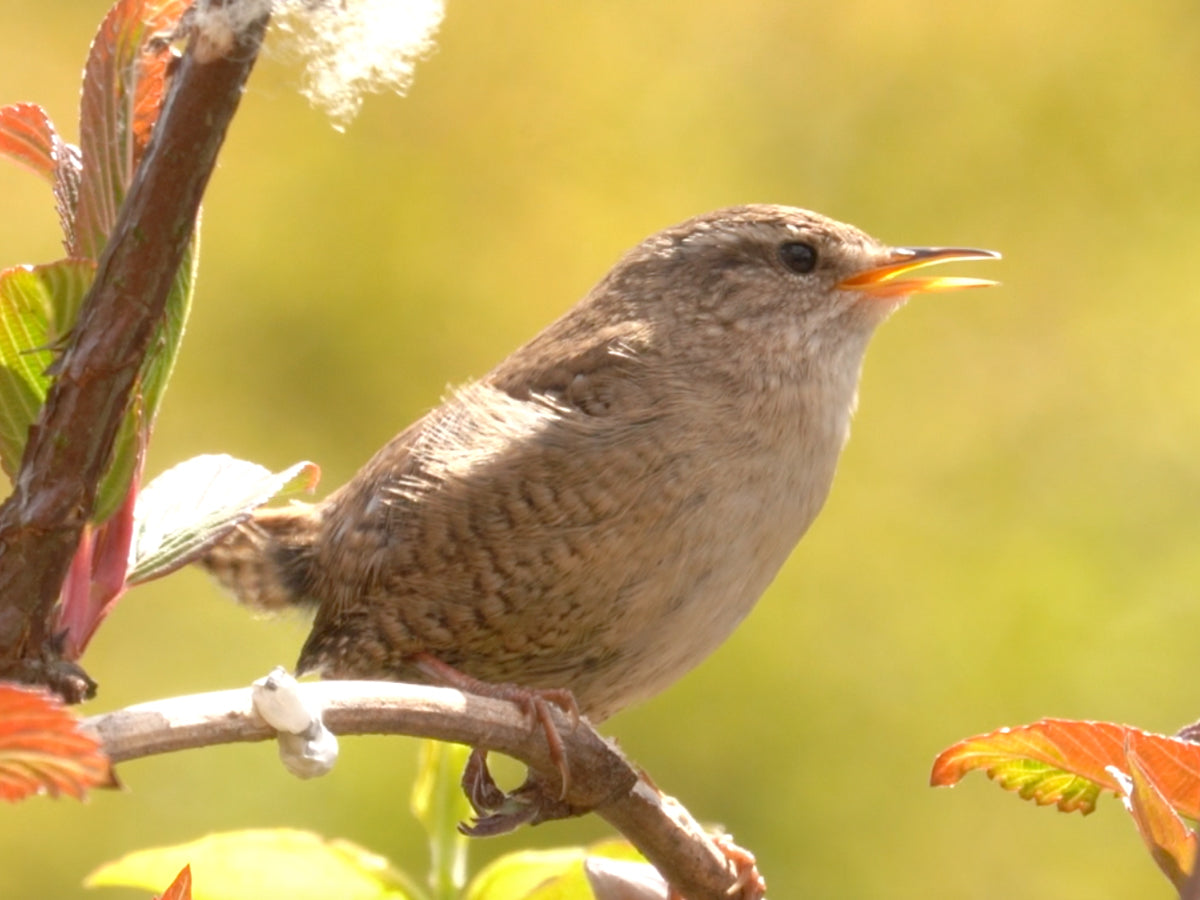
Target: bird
{"points": [[599, 512]]}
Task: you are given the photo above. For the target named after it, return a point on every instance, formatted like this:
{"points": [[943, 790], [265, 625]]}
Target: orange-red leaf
{"points": [[181, 887], [151, 88], [1171, 842], [1067, 762], [43, 750], [27, 136]]}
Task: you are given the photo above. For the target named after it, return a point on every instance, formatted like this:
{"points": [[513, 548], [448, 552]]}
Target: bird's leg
{"points": [[535, 703]]}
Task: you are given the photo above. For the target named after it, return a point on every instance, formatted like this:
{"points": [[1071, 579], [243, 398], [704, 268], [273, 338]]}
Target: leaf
{"points": [[123, 91], [1171, 842], [191, 506], [556, 874], [27, 137], [43, 749], [23, 382], [37, 303], [614, 879], [123, 86], [279, 862], [439, 805], [1068, 763], [159, 364], [181, 887], [134, 435], [528, 873], [129, 448], [96, 579]]}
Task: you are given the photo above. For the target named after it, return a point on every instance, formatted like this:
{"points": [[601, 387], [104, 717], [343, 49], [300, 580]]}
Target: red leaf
{"points": [[181, 887], [96, 579], [1171, 842], [151, 87], [27, 137], [44, 750], [123, 86], [1067, 763]]}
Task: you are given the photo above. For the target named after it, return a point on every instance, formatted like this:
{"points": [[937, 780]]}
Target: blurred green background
{"points": [[1014, 529]]}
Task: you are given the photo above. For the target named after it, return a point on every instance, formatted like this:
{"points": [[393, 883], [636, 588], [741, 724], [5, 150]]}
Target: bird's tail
{"points": [[266, 562]]}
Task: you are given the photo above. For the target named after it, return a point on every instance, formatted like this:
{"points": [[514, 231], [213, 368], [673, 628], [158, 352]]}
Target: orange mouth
{"points": [[882, 281]]}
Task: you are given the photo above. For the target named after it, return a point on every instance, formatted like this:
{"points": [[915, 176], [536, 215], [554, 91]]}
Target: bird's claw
{"points": [[749, 883], [499, 813]]}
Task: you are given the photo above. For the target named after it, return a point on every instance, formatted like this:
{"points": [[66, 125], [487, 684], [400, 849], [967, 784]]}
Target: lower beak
{"points": [[882, 281]]}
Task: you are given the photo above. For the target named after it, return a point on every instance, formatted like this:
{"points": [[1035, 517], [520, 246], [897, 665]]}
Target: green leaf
{"points": [[156, 371], [544, 874], [67, 282], [128, 451], [191, 506], [37, 304], [237, 865], [38, 308], [533, 873], [124, 87], [439, 805], [161, 362]]}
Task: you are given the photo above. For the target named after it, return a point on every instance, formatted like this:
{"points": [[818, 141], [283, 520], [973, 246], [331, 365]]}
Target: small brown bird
{"points": [[601, 510]]}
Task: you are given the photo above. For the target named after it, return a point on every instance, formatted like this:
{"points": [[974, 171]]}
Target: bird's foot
{"points": [[749, 883], [496, 812], [535, 703]]}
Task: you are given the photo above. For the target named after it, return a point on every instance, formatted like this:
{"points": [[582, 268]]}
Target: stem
{"points": [[601, 778], [70, 445]]}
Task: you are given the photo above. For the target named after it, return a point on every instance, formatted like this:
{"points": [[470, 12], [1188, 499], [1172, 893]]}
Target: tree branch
{"points": [[69, 447], [601, 778]]}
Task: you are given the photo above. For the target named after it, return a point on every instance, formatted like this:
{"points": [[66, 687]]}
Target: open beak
{"points": [[882, 281]]}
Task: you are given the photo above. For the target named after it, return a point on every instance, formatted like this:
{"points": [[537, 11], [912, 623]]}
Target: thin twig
{"points": [[1191, 887], [602, 779], [69, 447]]}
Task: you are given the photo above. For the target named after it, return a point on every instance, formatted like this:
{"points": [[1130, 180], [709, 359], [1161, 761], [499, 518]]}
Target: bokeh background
{"points": [[1014, 530]]}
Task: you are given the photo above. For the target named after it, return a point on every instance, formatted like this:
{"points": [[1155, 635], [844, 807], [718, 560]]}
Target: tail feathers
{"points": [[266, 561]]}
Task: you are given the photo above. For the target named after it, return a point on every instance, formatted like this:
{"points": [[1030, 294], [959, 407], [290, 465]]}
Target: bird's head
{"points": [[766, 278]]}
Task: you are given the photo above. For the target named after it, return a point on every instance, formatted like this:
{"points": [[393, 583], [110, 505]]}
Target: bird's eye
{"points": [[799, 257]]}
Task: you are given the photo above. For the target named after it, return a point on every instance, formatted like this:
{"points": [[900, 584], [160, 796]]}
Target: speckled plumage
{"points": [[601, 510]]}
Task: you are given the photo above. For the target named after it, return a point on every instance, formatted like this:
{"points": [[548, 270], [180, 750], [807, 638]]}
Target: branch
{"points": [[1191, 887], [601, 778], [69, 447]]}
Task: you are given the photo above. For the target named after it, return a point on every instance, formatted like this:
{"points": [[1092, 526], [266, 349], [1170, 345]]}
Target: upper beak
{"points": [[881, 281]]}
